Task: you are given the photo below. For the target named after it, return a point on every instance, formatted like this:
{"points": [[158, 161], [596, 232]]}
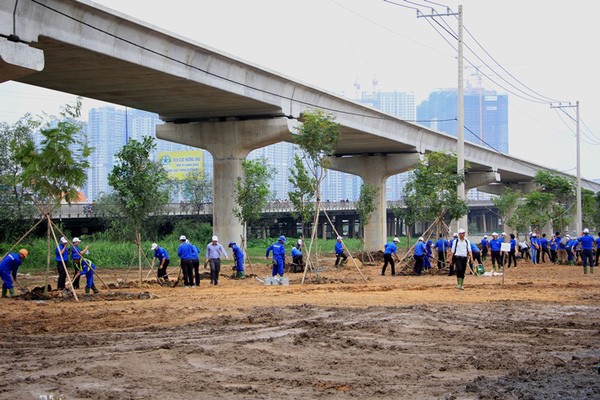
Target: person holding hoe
{"points": [[162, 256], [278, 249], [88, 268], [238, 257], [76, 254], [8, 270]]}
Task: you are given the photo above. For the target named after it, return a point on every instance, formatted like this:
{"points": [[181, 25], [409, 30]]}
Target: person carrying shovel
{"points": [[88, 268], [8, 270]]}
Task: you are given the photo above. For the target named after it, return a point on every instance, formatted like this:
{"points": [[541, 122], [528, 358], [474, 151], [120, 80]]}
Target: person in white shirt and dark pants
{"points": [[461, 251]]}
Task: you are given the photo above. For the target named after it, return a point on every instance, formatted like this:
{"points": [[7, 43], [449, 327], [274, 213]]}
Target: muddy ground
{"points": [[533, 335]]}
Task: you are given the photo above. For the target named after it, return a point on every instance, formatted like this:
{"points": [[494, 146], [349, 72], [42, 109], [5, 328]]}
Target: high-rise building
{"points": [[486, 116], [108, 130]]}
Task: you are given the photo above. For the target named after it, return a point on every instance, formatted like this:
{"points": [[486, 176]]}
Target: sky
{"points": [[539, 52]]}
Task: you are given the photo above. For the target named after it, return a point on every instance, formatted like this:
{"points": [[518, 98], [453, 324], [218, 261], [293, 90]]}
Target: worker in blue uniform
{"points": [[87, 269], [587, 250], [389, 249], [278, 249], [339, 252], [8, 270], [238, 260]]}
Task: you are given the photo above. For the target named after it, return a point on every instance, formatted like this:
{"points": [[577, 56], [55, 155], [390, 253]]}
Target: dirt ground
{"points": [[533, 333]]}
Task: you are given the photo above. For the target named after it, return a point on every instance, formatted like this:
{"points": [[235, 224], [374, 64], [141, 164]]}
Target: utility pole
{"points": [[578, 212], [460, 92]]}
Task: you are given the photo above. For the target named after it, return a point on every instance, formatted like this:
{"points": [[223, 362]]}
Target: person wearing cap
{"points": [[162, 256], [512, 254], [185, 251], [297, 257], [552, 245], [339, 252], [461, 252], [419, 253], [76, 254], [535, 246], [238, 259], [8, 270], [587, 250], [62, 262], [485, 244], [524, 250], [503, 255], [278, 249], [88, 268], [389, 249], [571, 248], [442, 246], [495, 246], [214, 250]]}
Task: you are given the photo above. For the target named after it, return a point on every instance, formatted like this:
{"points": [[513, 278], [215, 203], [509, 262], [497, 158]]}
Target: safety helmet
{"points": [[182, 238], [339, 238]]}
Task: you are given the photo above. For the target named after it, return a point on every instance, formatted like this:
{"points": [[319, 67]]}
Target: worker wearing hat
{"points": [[587, 250], [461, 252], [88, 268], [339, 252], [389, 249], [535, 247], [76, 254], [62, 262], [571, 249], [162, 256], [278, 249], [185, 251], [297, 257], [214, 250], [485, 245], [419, 254], [238, 259], [495, 247], [8, 270]]}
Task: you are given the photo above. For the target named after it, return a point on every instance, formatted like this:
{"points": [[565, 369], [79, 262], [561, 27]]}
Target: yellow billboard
{"points": [[179, 163]]}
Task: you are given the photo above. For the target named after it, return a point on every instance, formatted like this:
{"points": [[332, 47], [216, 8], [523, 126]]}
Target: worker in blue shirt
{"points": [[597, 248], [162, 256], [339, 252], [214, 251], [587, 247], [427, 258], [185, 251], [238, 260], [62, 262], [495, 246], [278, 249], [8, 270], [76, 254], [442, 246], [195, 264], [485, 244], [535, 247], [571, 247], [87, 269], [476, 255], [544, 242], [561, 248], [512, 254], [297, 258], [419, 254], [552, 245], [388, 250]]}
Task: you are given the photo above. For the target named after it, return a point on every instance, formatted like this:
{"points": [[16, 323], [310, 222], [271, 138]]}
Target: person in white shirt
{"points": [[461, 253]]}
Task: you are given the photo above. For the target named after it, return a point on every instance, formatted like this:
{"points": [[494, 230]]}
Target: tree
{"points": [[140, 186], [317, 138], [303, 193], [252, 192], [57, 169], [562, 196], [590, 209], [506, 204], [197, 189], [430, 193], [16, 202], [366, 202]]}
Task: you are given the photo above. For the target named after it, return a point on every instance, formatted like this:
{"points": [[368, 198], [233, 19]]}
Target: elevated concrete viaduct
{"points": [[210, 99]]}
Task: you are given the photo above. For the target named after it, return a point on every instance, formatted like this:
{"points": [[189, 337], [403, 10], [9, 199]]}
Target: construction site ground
{"points": [[533, 333]]}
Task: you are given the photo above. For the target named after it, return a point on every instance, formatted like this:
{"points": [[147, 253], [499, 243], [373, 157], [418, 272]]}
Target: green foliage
{"points": [[252, 190], [507, 202], [199, 234], [366, 202], [197, 190], [58, 168], [139, 183], [304, 191], [17, 209], [551, 182], [431, 192], [590, 210], [317, 138]]}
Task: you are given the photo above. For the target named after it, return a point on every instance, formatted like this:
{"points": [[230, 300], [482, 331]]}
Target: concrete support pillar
{"points": [[229, 143], [18, 60], [375, 170]]}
